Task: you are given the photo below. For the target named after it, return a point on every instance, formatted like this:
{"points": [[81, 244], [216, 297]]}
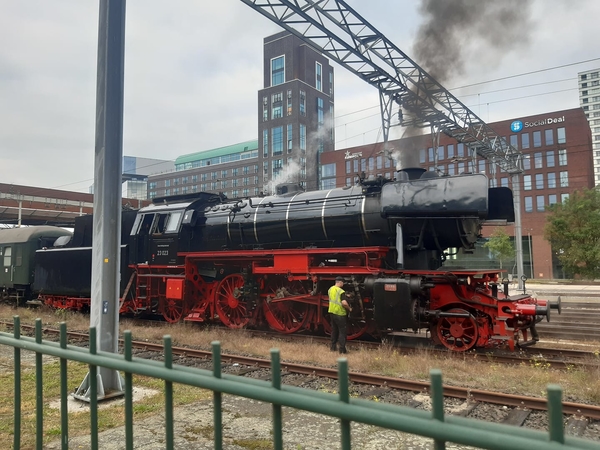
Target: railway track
{"points": [[581, 419], [578, 321]]}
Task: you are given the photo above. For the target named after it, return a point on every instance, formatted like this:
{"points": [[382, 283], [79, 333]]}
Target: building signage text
{"points": [[517, 125], [349, 155]]}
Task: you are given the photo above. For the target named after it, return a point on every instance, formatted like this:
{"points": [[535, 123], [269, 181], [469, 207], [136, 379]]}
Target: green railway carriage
{"points": [[17, 252]]}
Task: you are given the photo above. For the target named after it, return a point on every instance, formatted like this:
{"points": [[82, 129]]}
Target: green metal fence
{"points": [[434, 425]]}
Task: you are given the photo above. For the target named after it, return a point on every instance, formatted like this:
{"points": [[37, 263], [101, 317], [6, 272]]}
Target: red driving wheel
{"points": [[285, 316], [228, 302]]}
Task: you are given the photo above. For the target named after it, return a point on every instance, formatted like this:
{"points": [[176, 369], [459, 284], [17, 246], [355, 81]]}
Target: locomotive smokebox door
{"points": [[393, 304]]}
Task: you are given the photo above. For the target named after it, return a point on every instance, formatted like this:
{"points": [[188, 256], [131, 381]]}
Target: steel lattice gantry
{"points": [[340, 33]]}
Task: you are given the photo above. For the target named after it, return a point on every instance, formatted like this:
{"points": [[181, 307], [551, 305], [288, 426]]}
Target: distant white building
{"points": [[589, 99], [136, 171]]}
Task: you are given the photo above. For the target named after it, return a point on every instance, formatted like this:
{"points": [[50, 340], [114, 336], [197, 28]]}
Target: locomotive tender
{"points": [[270, 260]]}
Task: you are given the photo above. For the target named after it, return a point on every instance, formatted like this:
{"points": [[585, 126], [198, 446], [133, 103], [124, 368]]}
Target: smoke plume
{"points": [[456, 31]]}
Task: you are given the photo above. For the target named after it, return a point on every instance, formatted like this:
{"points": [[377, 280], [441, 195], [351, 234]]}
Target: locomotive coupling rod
{"points": [[448, 314]]}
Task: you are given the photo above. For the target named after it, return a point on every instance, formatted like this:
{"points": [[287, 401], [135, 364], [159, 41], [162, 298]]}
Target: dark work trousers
{"points": [[339, 329]]}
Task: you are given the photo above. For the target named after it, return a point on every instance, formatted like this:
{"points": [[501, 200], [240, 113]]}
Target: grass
{"points": [[579, 385]]}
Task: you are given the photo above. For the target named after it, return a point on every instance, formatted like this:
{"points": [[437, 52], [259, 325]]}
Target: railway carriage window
{"points": [[7, 256]]}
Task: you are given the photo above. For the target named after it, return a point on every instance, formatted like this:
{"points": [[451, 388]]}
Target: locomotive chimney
{"points": [[411, 173]]}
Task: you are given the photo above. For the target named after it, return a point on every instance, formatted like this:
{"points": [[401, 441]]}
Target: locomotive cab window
{"points": [[7, 256], [173, 222]]}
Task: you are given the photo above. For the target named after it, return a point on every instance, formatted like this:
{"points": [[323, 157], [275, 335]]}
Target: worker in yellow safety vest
{"points": [[338, 310]]}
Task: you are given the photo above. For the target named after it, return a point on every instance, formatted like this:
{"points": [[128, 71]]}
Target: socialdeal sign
{"points": [[517, 125]]}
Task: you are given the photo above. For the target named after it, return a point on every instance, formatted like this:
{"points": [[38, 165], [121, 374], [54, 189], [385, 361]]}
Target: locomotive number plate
{"points": [[389, 287]]}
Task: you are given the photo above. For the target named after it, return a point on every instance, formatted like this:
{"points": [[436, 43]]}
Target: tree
{"points": [[500, 245], [573, 230]]}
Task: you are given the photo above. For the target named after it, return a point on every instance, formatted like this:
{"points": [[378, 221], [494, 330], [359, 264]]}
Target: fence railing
{"points": [[433, 424]]}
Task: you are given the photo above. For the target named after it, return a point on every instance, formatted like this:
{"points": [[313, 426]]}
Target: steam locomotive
{"points": [[270, 261]]}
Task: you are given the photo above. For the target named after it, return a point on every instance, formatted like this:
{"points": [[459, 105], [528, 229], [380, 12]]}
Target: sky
{"points": [[193, 69]]}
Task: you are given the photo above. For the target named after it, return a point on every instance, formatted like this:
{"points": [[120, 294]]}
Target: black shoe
{"points": [[343, 351], [333, 348]]}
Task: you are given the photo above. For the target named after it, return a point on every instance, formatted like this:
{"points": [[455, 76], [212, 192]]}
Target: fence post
{"points": [[217, 396], [17, 384], [344, 397], [437, 402], [277, 414]]}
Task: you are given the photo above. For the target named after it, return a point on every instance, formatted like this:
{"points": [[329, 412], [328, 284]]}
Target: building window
{"points": [[234, 172], [527, 182], [552, 199], [266, 168], [526, 162], [422, 156], [537, 138], [524, 141], [539, 181], [528, 204], [302, 103], [256, 179], [450, 151], [277, 141], [550, 158], [203, 187], [561, 136], [277, 167], [320, 114], [213, 186], [265, 143], [265, 109], [234, 182], [289, 103], [562, 157], [213, 175], [539, 200], [167, 191], [379, 162], [245, 170], [223, 174], [481, 163], [328, 170], [290, 136], [224, 184], [277, 107], [302, 137], [278, 70], [348, 166], [246, 181], [551, 180], [564, 179], [460, 150], [538, 161], [504, 182], [549, 134], [514, 141], [203, 177], [451, 169], [319, 77], [167, 183], [245, 192], [152, 185], [564, 197], [440, 152]]}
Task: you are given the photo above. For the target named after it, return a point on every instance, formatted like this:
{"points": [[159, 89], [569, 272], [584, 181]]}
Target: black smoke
{"points": [[458, 31]]}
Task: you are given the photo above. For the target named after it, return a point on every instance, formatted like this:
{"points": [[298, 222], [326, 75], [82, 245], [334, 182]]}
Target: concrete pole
{"points": [[104, 315], [518, 240]]}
